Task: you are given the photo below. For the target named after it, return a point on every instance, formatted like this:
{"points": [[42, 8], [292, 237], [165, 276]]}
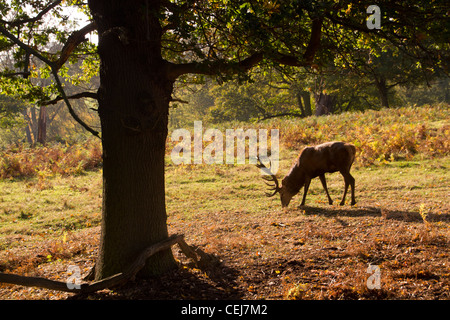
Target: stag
{"points": [[314, 162]]}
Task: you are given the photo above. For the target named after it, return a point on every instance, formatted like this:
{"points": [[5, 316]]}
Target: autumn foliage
{"points": [[20, 161], [380, 136]]}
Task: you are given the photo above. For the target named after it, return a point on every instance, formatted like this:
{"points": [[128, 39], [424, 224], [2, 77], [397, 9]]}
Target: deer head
{"points": [[285, 194]]}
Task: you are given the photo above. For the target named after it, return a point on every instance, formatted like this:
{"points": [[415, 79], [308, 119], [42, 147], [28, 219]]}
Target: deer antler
{"points": [[269, 177]]}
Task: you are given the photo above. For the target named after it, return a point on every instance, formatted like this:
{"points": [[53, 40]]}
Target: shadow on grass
{"points": [[399, 215], [213, 282]]}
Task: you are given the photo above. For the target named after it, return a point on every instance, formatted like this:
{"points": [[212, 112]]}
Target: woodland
{"points": [[90, 92]]}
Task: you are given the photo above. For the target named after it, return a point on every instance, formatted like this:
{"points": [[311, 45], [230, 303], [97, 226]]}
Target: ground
{"points": [[400, 225]]}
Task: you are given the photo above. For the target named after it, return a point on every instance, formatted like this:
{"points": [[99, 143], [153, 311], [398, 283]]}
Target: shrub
{"points": [[21, 161], [380, 136]]}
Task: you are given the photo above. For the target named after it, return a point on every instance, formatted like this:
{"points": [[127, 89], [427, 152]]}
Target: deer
{"points": [[314, 161]]}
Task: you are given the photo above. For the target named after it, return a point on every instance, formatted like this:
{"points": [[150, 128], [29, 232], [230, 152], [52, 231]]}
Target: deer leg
{"points": [[324, 184], [349, 180], [307, 182], [352, 185]]}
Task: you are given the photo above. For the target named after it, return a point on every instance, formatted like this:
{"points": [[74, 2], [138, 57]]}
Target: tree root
{"points": [[115, 280]]}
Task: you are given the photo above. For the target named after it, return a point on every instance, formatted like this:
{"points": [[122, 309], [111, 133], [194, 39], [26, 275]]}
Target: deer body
{"points": [[315, 162]]}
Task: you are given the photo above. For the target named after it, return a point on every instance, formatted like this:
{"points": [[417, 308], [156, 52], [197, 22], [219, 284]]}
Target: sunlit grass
{"points": [[400, 221]]}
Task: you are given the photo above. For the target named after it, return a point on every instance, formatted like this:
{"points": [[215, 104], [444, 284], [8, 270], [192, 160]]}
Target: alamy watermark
{"points": [[374, 281], [191, 150], [74, 279], [374, 19]]}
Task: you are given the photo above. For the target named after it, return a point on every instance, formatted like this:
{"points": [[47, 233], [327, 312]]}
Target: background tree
{"points": [[267, 95], [386, 69], [9, 111], [436, 91], [145, 46]]}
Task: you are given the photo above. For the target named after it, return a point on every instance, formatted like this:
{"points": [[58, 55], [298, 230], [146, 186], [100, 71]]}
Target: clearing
{"points": [[400, 224]]}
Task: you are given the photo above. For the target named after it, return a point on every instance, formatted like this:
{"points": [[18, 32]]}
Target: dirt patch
{"points": [[301, 253]]}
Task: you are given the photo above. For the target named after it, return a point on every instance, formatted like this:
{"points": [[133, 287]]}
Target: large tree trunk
{"points": [[134, 99]]}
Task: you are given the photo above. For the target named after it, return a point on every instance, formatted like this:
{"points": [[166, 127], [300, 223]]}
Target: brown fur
{"points": [[314, 162]]}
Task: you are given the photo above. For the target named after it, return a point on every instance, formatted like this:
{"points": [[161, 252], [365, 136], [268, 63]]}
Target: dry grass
{"points": [[315, 252], [400, 224], [20, 161], [380, 136]]}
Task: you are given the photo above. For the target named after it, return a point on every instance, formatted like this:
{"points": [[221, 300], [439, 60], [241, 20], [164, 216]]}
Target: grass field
{"points": [[400, 224]]}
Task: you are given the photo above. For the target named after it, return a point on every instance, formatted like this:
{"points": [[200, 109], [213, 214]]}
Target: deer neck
{"points": [[294, 180]]}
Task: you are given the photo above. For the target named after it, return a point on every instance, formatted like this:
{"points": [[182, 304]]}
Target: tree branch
{"points": [[288, 60], [178, 100], [13, 74], [69, 106], [109, 282], [293, 114], [80, 95], [213, 67], [36, 18], [208, 67], [74, 40], [314, 41], [25, 47], [54, 68]]}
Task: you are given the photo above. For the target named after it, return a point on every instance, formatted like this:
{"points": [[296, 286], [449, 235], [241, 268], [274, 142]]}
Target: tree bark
{"points": [[324, 104], [28, 128], [307, 102], [42, 125], [383, 91], [133, 98], [300, 103]]}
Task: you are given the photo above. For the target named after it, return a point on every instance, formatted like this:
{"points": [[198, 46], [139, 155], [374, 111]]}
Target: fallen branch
{"points": [[109, 282]]}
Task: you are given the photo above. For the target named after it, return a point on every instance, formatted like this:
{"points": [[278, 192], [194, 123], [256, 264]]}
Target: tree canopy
{"points": [[225, 38]]}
